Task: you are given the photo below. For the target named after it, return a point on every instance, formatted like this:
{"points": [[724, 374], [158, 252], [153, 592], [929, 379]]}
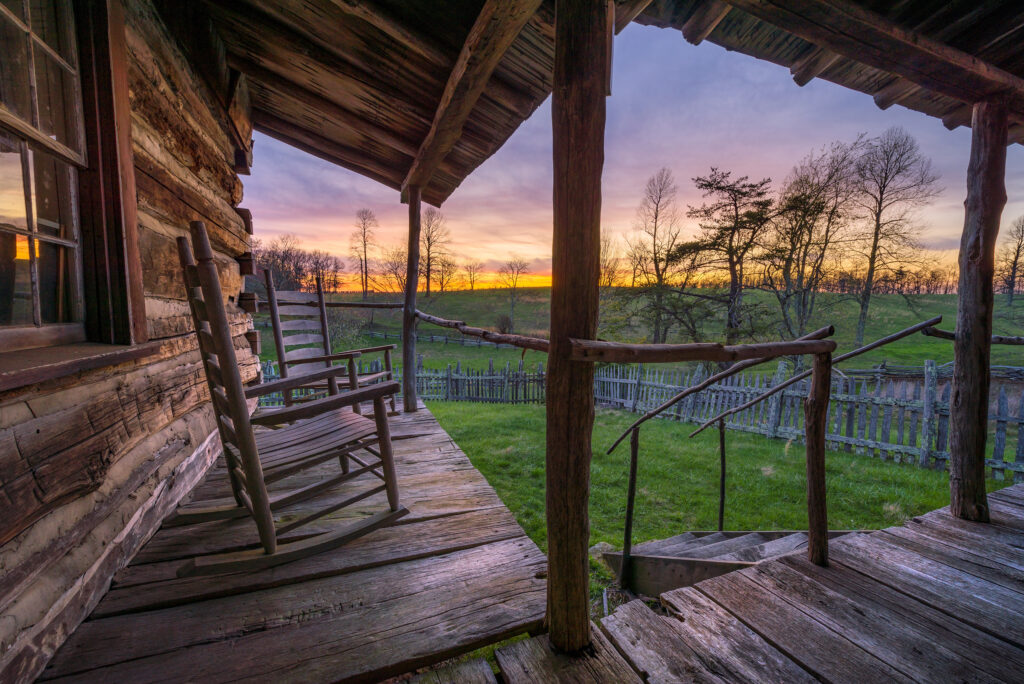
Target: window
{"points": [[41, 152]]}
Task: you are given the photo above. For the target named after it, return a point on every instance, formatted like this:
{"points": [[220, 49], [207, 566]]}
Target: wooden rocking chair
{"points": [[297, 324], [307, 435]]}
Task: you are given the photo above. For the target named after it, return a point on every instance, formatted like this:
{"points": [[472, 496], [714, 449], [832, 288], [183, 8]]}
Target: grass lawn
{"points": [[677, 482]]}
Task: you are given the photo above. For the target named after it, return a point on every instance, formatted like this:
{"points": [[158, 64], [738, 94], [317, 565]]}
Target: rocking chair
{"points": [[298, 322], [306, 435]]}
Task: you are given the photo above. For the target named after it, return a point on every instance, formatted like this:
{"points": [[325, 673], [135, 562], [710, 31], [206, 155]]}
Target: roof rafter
{"points": [[866, 37], [703, 21], [494, 31]]}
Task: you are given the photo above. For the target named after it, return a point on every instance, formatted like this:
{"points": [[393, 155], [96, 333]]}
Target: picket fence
{"points": [[869, 414], [461, 341]]}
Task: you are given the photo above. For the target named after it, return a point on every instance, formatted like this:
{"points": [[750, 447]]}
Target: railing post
{"points": [[815, 417], [412, 276], [627, 541], [721, 474], [929, 415]]}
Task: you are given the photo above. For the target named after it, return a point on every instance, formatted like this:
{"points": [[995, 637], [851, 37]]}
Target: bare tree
{"points": [[326, 267], [362, 241], [472, 269], [434, 239], [287, 261], [732, 224], [444, 273], [893, 178], [813, 215], [509, 275], [1011, 260], [655, 237], [611, 261], [390, 271]]}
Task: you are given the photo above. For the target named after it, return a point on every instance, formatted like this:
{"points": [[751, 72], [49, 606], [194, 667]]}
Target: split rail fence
{"points": [[870, 413]]}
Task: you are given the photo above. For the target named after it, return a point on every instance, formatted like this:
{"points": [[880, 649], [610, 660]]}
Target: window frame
{"points": [[110, 270]]}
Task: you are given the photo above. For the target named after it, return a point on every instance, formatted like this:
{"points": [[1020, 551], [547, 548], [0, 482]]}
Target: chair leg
{"points": [[343, 459], [387, 456]]}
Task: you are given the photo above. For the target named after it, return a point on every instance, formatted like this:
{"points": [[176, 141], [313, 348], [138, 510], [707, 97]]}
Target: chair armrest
{"points": [[315, 408], [294, 382], [355, 353], [370, 350]]}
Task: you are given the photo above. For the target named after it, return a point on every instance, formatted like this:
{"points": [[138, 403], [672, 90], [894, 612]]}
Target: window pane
{"points": [[12, 186], [51, 22], [53, 194], [55, 95], [14, 70], [57, 280], [15, 282]]}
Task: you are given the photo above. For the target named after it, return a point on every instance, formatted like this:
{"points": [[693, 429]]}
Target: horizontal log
{"points": [[949, 335], [521, 341], [616, 352], [346, 305]]}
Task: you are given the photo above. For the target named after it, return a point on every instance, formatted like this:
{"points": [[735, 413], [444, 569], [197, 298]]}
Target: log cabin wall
{"points": [[91, 463]]}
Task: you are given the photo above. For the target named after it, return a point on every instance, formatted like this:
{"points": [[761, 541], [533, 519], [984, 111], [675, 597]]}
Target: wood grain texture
{"points": [[536, 661]]}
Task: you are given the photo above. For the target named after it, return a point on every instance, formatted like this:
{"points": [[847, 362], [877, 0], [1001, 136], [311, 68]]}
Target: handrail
{"points": [[522, 341], [617, 352], [827, 331], [839, 359], [340, 305], [950, 335]]}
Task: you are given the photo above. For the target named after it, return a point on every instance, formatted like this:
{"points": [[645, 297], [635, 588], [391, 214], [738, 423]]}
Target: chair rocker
{"points": [[306, 435], [300, 320]]}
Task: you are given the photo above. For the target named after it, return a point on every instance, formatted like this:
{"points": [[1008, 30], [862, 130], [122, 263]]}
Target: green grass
{"points": [[677, 481]]}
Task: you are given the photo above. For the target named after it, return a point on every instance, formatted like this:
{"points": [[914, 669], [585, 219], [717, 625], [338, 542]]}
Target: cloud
{"points": [[672, 104]]}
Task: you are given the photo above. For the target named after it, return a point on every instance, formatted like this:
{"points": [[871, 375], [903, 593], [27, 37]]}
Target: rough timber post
{"points": [[412, 277], [582, 45], [815, 427], [986, 196]]}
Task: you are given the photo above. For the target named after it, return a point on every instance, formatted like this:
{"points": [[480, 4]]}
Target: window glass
{"points": [[15, 280], [50, 23], [53, 196], [12, 186], [14, 70], [57, 283], [55, 97]]}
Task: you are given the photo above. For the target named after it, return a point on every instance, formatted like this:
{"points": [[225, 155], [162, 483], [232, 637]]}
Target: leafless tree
{"points": [[472, 270], [509, 275], [326, 267], [611, 261], [390, 272], [288, 262], [444, 272], [732, 225], [434, 240], [1011, 260], [812, 217], [655, 237], [362, 241], [893, 178]]}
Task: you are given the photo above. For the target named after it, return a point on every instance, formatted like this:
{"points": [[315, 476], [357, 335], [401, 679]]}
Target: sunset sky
{"points": [[672, 104]]}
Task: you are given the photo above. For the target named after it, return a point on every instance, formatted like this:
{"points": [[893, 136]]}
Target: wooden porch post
{"points": [[582, 44], [412, 277], [986, 196]]}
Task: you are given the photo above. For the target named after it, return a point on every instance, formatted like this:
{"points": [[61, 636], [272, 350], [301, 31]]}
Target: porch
{"points": [[457, 573]]}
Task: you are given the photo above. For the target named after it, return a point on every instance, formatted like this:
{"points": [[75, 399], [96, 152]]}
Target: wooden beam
{"points": [[320, 105], [618, 352], [496, 28], [850, 30], [412, 277], [812, 65], [578, 121], [986, 197], [626, 11], [898, 90], [815, 427], [703, 21]]}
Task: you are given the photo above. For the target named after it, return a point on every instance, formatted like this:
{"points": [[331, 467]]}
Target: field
{"points": [[677, 483], [888, 313]]}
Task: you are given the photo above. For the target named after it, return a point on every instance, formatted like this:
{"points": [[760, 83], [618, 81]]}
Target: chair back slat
{"points": [[208, 305], [292, 356], [296, 326], [304, 338], [299, 324], [297, 310], [295, 297]]}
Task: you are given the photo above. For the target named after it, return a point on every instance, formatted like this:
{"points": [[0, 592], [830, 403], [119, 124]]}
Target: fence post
{"points": [[929, 415], [639, 384], [775, 406]]}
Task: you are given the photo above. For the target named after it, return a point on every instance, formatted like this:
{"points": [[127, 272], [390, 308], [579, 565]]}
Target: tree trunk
{"points": [[986, 197], [869, 284], [412, 276], [582, 54]]}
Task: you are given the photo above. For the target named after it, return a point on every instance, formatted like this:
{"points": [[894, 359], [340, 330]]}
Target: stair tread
{"points": [[730, 545], [678, 549], [653, 547], [768, 549]]}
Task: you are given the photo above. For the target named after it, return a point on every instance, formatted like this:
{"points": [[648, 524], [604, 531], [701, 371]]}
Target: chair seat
{"points": [[284, 449]]}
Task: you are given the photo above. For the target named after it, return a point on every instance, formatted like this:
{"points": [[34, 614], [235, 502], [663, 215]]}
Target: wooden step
{"points": [[534, 661], [654, 547], [716, 549], [769, 549], [682, 548]]}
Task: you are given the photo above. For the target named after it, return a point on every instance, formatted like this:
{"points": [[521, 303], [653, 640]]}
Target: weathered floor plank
{"points": [[458, 573], [534, 661], [475, 671]]}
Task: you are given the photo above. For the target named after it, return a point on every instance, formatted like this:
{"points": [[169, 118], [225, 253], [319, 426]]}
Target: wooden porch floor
{"points": [[935, 600], [457, 573]]}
